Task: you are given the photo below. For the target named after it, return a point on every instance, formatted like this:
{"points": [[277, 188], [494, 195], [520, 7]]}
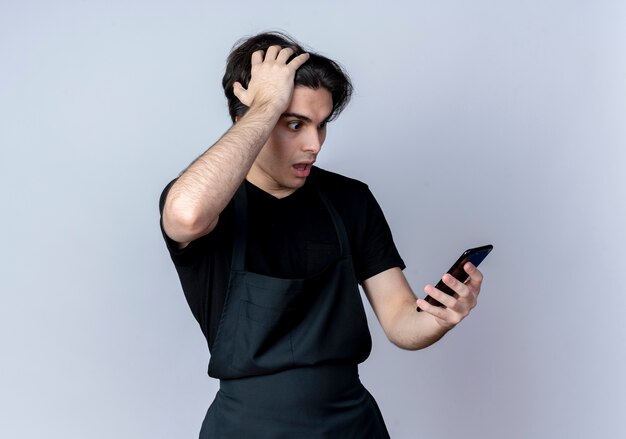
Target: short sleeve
{"points": [[375, 248]]}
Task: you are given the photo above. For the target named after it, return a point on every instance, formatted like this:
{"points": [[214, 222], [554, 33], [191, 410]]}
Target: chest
{"points": [[290, 238]]}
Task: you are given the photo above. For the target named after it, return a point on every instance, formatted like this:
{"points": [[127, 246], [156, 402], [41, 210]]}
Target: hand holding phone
{"points": [[473, 255]]}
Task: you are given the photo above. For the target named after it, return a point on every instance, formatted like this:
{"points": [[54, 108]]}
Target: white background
{"points": [[473, 122]]}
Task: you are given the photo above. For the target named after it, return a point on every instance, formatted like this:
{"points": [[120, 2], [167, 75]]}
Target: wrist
{"points": [[271, 107]]}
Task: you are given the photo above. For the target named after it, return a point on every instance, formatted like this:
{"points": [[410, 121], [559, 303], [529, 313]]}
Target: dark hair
{"points": [[318, 71]]}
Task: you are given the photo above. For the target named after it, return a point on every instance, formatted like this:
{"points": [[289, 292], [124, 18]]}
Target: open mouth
{"points": [[303, 169]]}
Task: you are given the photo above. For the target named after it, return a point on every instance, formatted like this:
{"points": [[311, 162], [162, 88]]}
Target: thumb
{"points": [[239, 91]]}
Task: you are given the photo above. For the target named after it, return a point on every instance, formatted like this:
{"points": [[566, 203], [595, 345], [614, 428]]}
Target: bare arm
{"points": [[395, 304], [203, 190]]}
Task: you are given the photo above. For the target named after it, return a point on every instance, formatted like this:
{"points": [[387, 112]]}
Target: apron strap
{"points": [[238, 261], [340, 229]]}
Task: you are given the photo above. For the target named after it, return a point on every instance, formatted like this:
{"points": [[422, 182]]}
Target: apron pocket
{"points": [[262, 341]]}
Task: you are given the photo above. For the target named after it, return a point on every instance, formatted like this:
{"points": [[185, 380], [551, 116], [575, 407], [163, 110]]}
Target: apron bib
{"points": [[286, 351]]}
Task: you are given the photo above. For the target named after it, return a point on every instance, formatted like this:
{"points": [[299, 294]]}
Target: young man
{"points": [[270, 251]]}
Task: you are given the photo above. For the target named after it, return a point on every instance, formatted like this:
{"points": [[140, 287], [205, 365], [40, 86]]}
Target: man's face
{"points": [[285, 161]]}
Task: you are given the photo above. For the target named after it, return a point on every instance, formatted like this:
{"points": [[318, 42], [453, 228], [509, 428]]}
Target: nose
{"points": [[313, 142]]}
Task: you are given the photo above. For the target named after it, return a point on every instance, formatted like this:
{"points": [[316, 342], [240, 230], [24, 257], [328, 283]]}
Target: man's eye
{"points": [[295, 125], [322, 125]]}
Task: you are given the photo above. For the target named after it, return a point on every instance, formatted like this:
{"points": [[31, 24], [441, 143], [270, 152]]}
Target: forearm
{"points": [[204, 189], [395, 306]]}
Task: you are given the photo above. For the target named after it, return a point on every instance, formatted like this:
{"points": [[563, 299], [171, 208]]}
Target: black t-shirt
{"points": [[291, 237]]}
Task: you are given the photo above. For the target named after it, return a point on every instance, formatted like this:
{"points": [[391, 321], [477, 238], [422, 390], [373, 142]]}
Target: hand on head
{"points": [[272, 78]]}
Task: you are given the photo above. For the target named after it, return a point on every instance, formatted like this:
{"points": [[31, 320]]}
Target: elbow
{"points": [[404, 343], [184, 223], [408, 345]]}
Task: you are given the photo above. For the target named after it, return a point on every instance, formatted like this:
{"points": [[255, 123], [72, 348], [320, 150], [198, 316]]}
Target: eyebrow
{"points": [[297, 116], [302, 117]]}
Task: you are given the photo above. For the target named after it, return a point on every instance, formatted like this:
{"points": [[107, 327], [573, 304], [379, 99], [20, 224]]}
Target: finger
{"points": [[284, 54], [467, 295], [445, 317], [475, 277], [457, 286], [436, 311], [271, 53], [299, 60], [257, 57], [441, 297]]}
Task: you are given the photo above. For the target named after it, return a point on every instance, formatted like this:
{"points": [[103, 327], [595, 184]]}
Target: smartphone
{"points": [[473, 255]]}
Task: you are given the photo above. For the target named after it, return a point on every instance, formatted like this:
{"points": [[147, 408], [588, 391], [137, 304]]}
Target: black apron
{"points": [[286, 351]]}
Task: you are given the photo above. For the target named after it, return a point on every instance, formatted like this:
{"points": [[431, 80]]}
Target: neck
{"points": [[270, 187]]}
